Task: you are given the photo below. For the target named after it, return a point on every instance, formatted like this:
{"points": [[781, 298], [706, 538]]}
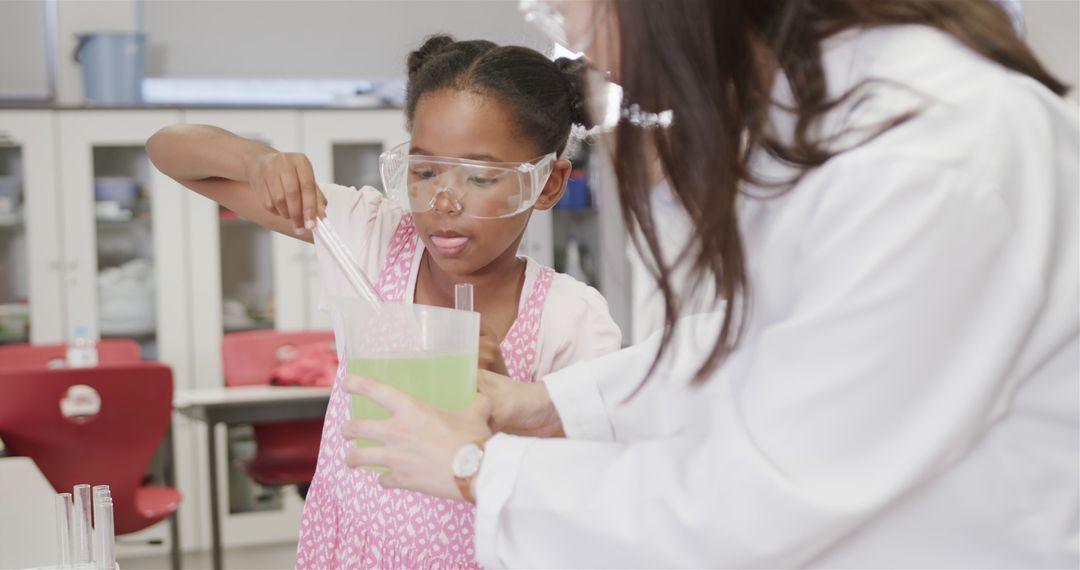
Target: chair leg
{"points": [[174, 541], [174, 518]]}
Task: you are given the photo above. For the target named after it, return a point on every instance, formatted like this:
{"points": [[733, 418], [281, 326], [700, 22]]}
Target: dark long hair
{"points": [[702, 59], [545, 96]]}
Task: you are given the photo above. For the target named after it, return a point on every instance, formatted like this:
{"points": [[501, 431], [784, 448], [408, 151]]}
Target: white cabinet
{"points": [[124, 235], [344, 148], [106, 237], [31, 275], [242, 277], [236, 267]]}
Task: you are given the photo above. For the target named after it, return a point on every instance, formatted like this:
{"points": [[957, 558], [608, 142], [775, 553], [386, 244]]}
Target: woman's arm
{"points": [[591, 399], [273, 189]]}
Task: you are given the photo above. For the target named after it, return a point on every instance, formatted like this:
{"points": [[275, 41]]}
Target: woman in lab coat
{"points": [[885, 194]]}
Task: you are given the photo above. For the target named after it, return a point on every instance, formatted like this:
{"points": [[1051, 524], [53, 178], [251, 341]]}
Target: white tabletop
{"points": [[246, 394], [27, 517]]}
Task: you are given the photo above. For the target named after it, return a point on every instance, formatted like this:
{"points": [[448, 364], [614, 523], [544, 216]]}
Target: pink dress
{"points": [[350, 521]]}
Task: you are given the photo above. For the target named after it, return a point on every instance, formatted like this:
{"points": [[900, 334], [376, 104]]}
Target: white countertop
{"points": [[27, 515], [245, 394]]}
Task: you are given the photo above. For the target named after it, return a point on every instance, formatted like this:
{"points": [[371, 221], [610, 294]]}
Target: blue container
{"points": [[576, 196], [112, 66]]}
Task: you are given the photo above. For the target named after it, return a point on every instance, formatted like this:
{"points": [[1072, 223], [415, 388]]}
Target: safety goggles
{"points": [[572, 24], [569, 23], [474, 188]]}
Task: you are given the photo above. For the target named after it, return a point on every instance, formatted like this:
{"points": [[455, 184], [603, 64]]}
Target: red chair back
{"points": [[250, 357], [23, 356], [113, 447], [285, 452]]}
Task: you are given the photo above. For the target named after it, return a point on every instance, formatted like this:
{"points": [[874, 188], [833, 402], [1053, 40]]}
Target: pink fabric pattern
{"points": [[350, 521]]}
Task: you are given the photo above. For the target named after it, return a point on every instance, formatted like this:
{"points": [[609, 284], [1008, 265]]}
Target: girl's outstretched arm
{"points": [[273, 189]]}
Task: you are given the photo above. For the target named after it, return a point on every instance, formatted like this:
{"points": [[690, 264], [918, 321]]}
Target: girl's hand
{"points": [[285, 183], [491, 357], [420, 440], [520, 408]]}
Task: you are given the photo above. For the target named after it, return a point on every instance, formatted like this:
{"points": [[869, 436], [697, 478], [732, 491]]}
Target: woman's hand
{"points": [[520, 408], [285, 183], [491, 357], [420, 440]]}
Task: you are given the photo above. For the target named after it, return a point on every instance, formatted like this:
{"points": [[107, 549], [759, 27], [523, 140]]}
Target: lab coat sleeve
{"points": [[607, 398], [893, 358]]}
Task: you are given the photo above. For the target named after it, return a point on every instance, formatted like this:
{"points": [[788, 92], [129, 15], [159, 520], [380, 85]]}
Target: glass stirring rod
{"points": [[353, 273]]}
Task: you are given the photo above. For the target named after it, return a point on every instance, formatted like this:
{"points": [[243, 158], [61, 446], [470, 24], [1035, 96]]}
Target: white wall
{"points": [[22, 48], [75, 16], [276, 38], [334, 38], [315, 38], [1053, 31]]}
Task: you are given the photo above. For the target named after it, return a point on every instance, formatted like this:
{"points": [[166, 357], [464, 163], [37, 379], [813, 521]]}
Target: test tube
{"points": [[82, 531], [63, 530], [101, 492], [463, 297], [104, 534]]}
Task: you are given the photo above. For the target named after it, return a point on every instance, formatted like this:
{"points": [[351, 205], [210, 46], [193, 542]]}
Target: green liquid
{"points": [[444, 381]]}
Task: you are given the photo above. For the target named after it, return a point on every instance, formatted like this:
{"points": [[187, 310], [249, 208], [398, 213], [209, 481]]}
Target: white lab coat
{"points": [[906, 392]]}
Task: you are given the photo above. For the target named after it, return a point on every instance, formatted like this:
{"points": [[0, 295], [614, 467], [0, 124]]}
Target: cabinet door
{"points": [[125, 235], [31, 276], [344, 148], [243, 277]]}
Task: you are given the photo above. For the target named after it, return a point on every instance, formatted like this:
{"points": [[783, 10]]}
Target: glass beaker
{"points": [[428, 352]]}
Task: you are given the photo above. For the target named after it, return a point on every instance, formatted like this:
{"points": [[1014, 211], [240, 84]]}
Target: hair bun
{"points": [[573, 70], [434, 45]]}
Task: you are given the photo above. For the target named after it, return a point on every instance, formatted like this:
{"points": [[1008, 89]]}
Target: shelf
{"points": [[253, 326], [137, 336], [13, 338], [141, 215], [110, 223]]}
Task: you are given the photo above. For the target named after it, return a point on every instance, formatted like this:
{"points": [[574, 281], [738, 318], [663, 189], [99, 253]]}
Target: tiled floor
{"points": [[262, 557]]}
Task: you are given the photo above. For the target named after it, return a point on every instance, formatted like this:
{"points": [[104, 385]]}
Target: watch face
{"points": [[467, 461]]}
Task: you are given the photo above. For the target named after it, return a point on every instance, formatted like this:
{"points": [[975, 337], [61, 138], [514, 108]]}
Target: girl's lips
{"points": [[449, 244]]}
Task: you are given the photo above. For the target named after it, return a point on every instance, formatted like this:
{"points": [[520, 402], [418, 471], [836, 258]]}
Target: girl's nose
{"points": [[444, 202]]}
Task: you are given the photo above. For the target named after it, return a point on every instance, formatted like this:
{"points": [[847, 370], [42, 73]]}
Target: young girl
{"points": [[487, 124]]}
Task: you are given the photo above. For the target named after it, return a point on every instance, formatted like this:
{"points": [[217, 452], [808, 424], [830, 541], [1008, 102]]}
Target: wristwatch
{"points": [[466, 465]]}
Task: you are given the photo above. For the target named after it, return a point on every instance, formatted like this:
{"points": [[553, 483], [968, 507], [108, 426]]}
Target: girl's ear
{"points": [[556, 185]]}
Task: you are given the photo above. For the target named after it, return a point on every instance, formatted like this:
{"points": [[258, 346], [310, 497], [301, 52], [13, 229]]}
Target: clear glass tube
{"points": [[63, 530], [82, 531], [104, 534], [463, 297], [101, 493]]}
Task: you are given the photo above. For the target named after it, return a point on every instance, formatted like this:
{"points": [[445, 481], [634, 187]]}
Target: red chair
{"points": [[285, 452], [23, 356], [112, 447]]}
